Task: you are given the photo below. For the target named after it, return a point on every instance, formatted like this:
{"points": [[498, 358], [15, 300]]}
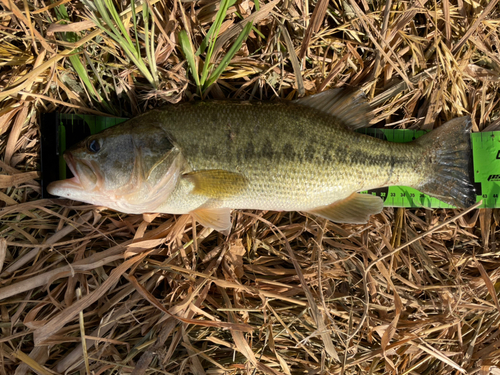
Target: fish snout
{"points": [[66, 188]]}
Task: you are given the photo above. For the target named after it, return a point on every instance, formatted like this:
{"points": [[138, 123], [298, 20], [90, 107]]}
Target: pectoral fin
{"points": [[348, 105], [216, 218], [217, 183], [355, 209]]}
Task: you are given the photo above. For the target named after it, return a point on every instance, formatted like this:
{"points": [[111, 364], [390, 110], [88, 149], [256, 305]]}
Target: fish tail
{"points": [[448, 163]]}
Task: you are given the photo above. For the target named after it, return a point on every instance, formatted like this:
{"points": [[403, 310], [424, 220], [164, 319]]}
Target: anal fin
{"points": [[355, 209], [216, 218]]}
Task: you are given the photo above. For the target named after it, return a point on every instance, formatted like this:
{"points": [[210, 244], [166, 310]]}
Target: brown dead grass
{"points": [[84, 290]]}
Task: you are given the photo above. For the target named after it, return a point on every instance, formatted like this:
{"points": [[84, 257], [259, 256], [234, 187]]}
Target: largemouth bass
{"points": [[208, 158]]}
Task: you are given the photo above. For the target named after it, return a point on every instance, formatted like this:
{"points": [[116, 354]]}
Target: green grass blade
{"points": [[134, 21], [122, 32], [113, 26], [229, 55], [219, 18], [204, 44], [255, 30], [150, 45], [81, 71], [188, 52], [83, 75]]}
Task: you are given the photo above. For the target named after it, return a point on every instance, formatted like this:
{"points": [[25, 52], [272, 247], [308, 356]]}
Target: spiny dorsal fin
{"points": [[216, 218], [348, 105], [217, 183], [355, 209]]}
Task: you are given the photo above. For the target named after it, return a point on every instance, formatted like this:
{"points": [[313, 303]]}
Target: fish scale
{"points": [[282, 177], [207, 158]]}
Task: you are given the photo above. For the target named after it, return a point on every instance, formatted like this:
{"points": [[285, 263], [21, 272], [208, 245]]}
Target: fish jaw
{"points": [[72, 188], [65, 188]]}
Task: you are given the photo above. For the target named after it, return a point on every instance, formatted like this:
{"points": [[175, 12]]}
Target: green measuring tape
{"points": [[485, 150]]}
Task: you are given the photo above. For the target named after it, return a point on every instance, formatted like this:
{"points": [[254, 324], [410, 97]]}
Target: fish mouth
{"points": [[70, 162], [62, 187]]}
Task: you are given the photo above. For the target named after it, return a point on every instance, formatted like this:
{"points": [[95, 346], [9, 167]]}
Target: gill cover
{"points": [[131, 167]]}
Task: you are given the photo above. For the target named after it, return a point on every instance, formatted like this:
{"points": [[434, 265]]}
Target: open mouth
{"points": [[61, 187], [70, 162]]}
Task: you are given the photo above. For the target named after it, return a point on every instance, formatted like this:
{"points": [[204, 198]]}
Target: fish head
{"points": [[131, 169]]}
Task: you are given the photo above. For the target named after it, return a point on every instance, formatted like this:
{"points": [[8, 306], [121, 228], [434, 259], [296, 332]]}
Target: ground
{"points": [[414, 291]]}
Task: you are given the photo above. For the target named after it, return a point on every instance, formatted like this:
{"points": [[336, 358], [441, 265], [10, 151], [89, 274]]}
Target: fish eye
{"points": [[93, 146]]}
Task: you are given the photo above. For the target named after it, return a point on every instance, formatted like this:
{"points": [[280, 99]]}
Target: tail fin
{"points": [[448, 163]]}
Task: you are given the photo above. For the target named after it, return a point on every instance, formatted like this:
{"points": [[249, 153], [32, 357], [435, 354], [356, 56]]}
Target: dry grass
{"points": [[285, 293]]}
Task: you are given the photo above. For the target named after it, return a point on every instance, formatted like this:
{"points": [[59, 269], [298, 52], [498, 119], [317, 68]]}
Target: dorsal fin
{"points": [[348, 105]]}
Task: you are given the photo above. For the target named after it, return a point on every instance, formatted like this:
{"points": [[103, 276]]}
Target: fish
{"points": [[208, 158]]}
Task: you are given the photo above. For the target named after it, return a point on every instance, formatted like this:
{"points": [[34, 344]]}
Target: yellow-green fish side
{"points": [[293, 157]]}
